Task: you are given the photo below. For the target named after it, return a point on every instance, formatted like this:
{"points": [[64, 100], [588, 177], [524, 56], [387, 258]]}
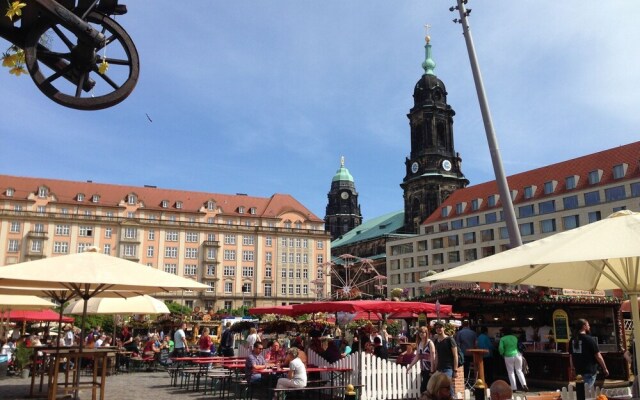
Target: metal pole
{"points": [[501, 180]]}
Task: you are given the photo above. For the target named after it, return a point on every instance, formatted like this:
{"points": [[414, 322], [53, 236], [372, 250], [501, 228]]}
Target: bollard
{"points": [[479, 390], [350, 393], [579, 388]]}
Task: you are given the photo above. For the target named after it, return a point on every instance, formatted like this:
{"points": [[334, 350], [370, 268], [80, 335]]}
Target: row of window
{"points": [[616, 193], [571, 183], [171, 218], [247, 289], [170, 236]]}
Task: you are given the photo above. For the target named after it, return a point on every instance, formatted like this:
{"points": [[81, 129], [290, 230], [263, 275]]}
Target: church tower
{"points": [[433, 166], [343, 211]]}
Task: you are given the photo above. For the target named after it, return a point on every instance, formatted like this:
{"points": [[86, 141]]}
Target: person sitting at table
{"points": [[275, 355], [407, 356], [368, 348], [150, 348], [100, 340], [204, 344], [330, 351], [255, 362], [379, 349], [297, 376], [345, 349], [302, 355]]}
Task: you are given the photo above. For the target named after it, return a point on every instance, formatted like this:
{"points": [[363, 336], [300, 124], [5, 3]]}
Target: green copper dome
{"points": [[342, 174]]}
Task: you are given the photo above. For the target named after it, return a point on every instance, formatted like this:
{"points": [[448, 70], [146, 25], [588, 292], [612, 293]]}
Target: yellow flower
{"points": [[15, 8], [104, 66], [9, 60], [19, 56], [17, 71]]}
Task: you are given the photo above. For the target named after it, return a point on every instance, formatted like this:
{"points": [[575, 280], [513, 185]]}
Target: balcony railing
{"points": [[37, 235]]}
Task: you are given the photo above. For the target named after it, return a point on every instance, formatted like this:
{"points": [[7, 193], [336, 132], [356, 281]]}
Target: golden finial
{"points": [[427, 38]]}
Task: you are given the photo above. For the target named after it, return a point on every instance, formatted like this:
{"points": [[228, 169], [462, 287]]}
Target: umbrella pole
{"points": [[80, 347], [635, 315]]}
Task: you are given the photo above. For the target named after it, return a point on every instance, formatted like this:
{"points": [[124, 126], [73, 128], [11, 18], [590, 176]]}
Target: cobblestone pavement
{"points": [[139, 385]]}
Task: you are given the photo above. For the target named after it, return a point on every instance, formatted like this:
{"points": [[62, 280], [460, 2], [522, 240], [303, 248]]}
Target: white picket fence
{"points": [[381, 379]]}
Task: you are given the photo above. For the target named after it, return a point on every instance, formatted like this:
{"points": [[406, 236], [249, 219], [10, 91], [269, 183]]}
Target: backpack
{"points": [[460, 357], [452, 343]]}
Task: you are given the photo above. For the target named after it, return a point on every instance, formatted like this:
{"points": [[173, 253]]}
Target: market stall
{"points": [[543, 318]]}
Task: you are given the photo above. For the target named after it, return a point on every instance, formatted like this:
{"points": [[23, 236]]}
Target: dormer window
{"points": [[571, 182], [42, 191], [492, 200], [131, 199], [514, 194], [95, 198], [80, 197], [529, 192], [460, 207], [240, 210], [211, 205], [10, 192], [445, 211], [595, 176], [550, 187], [252, 211], [475, 204], [165, 204], [178, 205], [620, 170]]}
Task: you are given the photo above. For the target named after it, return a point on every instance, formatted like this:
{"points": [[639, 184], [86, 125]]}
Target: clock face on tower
{"points": [[446, 165], [414, 167], [344, 195]]}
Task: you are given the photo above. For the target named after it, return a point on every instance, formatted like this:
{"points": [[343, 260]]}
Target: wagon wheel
{"points": [[68, 71]]}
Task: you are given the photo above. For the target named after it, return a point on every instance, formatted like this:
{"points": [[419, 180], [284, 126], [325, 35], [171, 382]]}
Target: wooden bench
{"points": [[306, 392]]}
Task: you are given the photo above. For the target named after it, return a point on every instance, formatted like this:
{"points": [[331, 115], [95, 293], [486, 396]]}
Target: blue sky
{"points": [[264, 96]]}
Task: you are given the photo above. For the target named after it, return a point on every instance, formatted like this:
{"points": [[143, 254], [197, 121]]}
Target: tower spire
{"points": [[428, 64]]}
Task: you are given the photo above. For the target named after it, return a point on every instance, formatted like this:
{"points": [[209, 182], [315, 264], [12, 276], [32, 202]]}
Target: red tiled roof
{"points": [[581, 166], [115, 196]]}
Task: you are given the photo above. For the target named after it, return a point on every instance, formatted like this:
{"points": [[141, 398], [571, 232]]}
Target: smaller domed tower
{"points": [[343, 211]]}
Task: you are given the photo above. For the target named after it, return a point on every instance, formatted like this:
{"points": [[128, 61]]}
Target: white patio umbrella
{"points": [[20, 302], [598, 256], [90, 274], [144, 304]]}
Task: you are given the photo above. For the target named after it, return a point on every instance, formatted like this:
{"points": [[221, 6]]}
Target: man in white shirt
{"points": [[100, 341], [68, 336], [180, 346]]}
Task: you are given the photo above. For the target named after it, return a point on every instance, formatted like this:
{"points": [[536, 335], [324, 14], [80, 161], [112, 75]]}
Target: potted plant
{"points": [[23, 359]]}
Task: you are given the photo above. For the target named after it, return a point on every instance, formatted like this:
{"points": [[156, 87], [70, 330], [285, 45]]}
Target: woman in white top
{"points": [[426, 353], [252, 338], [297, 376]]}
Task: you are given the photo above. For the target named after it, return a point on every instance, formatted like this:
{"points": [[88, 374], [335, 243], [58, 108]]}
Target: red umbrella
{"points": [[374, 306], [25, 316], [282, 310]]}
